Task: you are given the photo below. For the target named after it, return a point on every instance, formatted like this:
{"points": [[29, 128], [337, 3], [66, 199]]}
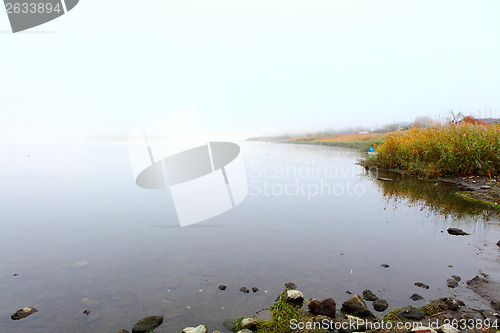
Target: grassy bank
{"points": [[361, 145], [361, 141], [446, 151]]}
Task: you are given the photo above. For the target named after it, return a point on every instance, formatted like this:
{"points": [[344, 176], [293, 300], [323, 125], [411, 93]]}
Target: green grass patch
{"points": [[283, 313], [394, 316], [432, 308]]}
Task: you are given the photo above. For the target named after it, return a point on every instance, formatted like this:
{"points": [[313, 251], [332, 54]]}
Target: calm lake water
{"points": [[81, 235]]}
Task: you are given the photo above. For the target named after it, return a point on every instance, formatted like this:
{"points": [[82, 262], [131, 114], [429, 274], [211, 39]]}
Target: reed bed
{"points": [[444, 151]]}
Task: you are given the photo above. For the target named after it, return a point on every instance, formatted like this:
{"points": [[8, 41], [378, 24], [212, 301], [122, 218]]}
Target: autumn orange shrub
{"points": [[450, 150]]}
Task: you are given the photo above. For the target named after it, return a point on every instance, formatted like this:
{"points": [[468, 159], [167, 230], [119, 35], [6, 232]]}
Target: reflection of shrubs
{"points": [[451, 150], [439, 199]]}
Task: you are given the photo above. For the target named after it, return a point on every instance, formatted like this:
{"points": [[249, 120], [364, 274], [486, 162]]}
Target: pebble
{"points": [[421, 285], [416, 297]]}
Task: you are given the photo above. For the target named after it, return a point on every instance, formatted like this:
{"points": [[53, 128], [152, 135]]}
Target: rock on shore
{"points": [[356, 307], [411, 312], [197, 329], [380, 305], [294, 296], [326, 307], [369, 296]]}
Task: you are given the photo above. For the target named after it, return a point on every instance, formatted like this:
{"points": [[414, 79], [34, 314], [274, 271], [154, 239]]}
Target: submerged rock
{"points": [[457, 232], [451, 283], [476, 281], [411, 312], [498, 244], [255, 289], [385, 265], [91, 318], [147, 324], [230, 324], [23, 313], [290, 285], [421, 285], [326, 307], [264, 314], [90, 301], [416, 297], [197, 329], [456, 278], [369, 296], [222, 287], [380, 305], [356, 307], [122, 331], [244, 290], [80, 263]]}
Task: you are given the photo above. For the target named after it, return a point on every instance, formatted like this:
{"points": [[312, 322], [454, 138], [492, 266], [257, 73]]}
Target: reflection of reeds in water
{"points": [[438, 197]]}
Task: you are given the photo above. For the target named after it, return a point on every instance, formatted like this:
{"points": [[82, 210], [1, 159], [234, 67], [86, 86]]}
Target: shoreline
{"points": [[291, 312], [476, 188]]}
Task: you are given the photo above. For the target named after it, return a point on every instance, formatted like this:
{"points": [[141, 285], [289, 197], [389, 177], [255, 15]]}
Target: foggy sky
{"points": [[250, 67]]}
